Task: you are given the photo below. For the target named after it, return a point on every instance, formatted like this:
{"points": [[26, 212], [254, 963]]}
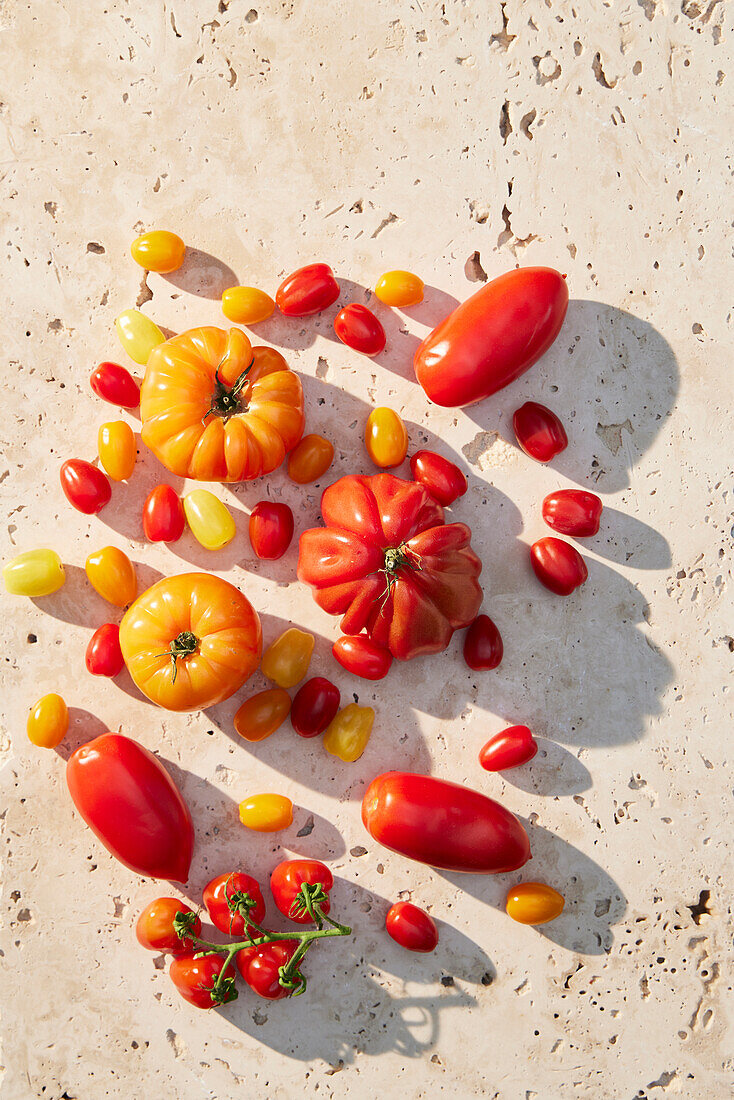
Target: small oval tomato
{"points": [[112, 574], [385, 438], [154, 929], [163, 515], [358, 328], [210, 520], [348, 733], [115, 384], [246, 305], [411, 927], [261, 714], [159, 251], [400, 288], [573, 512], [357, 653], [233, 886], [197, 980], [286, 660], [104, 656], [533, 903], [48, 721], [138, 334], [260, 967], [444, 481], [558, 565], [307, 290], [270, 529], [34, 573], [483, 648], [310, 459], [85, 487], [539, 431], [266, 813], [117, 449], [508, 749], [314, 706], [286, 882]]}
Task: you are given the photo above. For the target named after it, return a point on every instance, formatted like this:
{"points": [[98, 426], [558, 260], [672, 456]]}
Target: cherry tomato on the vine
{"points": [[399, 288], [48, 721], [573, 512], [310, 459], [261, 714], [270, 529], [117, 449], [287, 879], [115, 384], [307, 290], [209, 518], [444, 481], [159, 251], [357, 653], [266, 813], [246, 305], [226, 886], [533, 903], [195, 979], [358, 328], [483, 648], [154, 929], [138, 335], [539, 431], [286, 660], [34, 573], [411, 927], [260, 967], [385, 438], [112, 575], [508, 749], [85, 487], [104, 656], [558, 565], [348, 733], [163, 515], [314, 706]]}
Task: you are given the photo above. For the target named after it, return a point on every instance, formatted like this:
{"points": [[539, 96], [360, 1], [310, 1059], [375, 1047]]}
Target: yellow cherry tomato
{"points": [[138, 334], [533, 903], [399, 288], [349, 732], [48, 721], [286, 660], [246, 305], [159, 251], [35, 573], [266, 813], [261, 714], [210, 520], [117, 449], [385, 438], [310, 459], [112, 574]]}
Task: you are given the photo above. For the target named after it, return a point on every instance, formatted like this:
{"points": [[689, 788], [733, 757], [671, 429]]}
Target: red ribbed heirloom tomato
{"points": [[411, 927], [389, 564], [357, 653], [539, 431], [573, 512], [444, 481], [358, 328], [226, 886], [558, 565], [314, 706], [163, 515], [307, 290], [508, 749], [270, 529]]}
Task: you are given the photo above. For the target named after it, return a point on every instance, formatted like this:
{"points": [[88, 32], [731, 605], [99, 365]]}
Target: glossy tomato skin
{"points": [[138, 335], [539, 431], [246, 305], [310, 459], [508, 749], [34, 573], [359, 655], [533, 903], [558, 565], [286, 660], [443, 824], [209, 519], [287, 879], [117, 449], [573, 512], [270, 529], [493, 337], [261, 715], [348, 733], [483, 647], [307, 290], [85, 487], [266, 813], [159, 250], [314, 706], [111, 574], [385, 438], [226, 886], [48, 721], [115, 384], [154, 929], [163, 515], [399, 288], [411, 927], [443, 480], [358, 328], [104, 656], [260, 967], [129, 801], [194, 979]]}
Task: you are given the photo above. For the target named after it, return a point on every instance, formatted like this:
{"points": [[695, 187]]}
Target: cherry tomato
{"points": [[444, 481], [287, 879], [411, 927], [266, 813], [246, 305], [48, 721], [310, 459], [158, 251], [539, 431], [195, 979], [270, 529], [399, 288], [308, 290], [260, 967], [558, 565], [286, 660], [483, 647], [85, 487], [104, 656], [385, 438], [117, 449], [229, 886], [533, 903], [112, 574], [314, 706], [573, 512], [163, 515], [115, 384], [348, 733], [34, 573], [508, 749], [210, 520], [155, 931], [358, 328], [138, 335], [357, 653], [261, 714]]}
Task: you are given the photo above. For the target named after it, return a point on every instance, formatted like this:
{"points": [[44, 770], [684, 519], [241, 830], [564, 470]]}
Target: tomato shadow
{"points": [[83, 727], [626, 540], [189, 550], [554, 772], [77, 602], [435, 307], [124, 514], [202, 274]]}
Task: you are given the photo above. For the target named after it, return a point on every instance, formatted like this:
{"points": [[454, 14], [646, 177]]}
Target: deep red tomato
{"points": [[314, 706], [444, 481], [307, 290], [104, 656], [539, 431], [493, 337], [260, 967], [358, 654], [483, 648], [358, 328], [226, 886], [270, 529], [194, 979], [85, 487], [287, 879], [155, 931], [443, 824], [508, 749], [558, 565], [411, 927], [163, 515], [573, 512], [130, 802], [115, 384]]}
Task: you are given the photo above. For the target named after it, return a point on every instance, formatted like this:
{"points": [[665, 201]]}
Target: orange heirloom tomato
{"points": [[266, 813], [246, 305], [533, 903], [117, 449], [385, 438], [348, 733], [399, 288], [112, 574], [48, 721], [286, 660], [311, 458], [261, 714], [159, 251], [191, 641], [216, 409]]}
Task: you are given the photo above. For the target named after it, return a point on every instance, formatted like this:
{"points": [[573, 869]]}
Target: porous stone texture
{"points": [[457, 140]]}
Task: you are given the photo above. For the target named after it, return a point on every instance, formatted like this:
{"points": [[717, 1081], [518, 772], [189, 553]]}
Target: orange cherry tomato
{"points": [[310, 459], [533, 903], [246, 305], [399, 288], [117, 449], [158, 251], [266, 813], [48, 721], [385, 438], [112, 574], [261, 714], [286, 660]]}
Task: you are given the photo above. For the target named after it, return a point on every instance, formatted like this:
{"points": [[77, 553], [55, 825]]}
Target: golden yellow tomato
{"points": [[261, 714], [385, 438], [159, 251], [286, 660], [266, 813], [48, 721], [112, 574], [348, 733], [117, 449], [399, 288], [246, 305], [533, 903]]}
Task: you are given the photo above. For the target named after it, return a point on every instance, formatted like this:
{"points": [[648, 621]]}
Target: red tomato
{"points": [[287, 879], [493, 337], [411, 927], [483, 648], [163, 515], [226, 886], [444, 481], [85, 487], [132, 805], [573, 512], [270, 529], [104, 656], [558, 565], [260, 967], [539, 431], [314, 706], [308, 290], [360, 655], [155, 931], [509, 749], [195, 980], [358, 328], [443, 824], [115, 384]]}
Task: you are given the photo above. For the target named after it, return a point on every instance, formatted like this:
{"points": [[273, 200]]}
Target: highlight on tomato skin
{"points": [[361, 656], [314, 706], [539, 431], [509, 749], [307, 290], [483, 647], [358, 328], [574, 512], [399, 289], [270, 529], [533, 903], [85, 487], [558, 565], [443, 479], [411, 927], [386, 438]]}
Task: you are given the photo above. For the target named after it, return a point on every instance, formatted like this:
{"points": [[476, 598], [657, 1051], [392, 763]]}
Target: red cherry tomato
{"points": [[358, 328], [260, 967], [314, 706], [539, 431], [226, 886], [270, 529], [287, 879], [163, 515], [85, 487], [444, 481], [363, 657], [115, 384], [154, 929], [509, 749], [558, 565], [573, 512], [411, 927], [104, 656], [483, 648], [195, 978], [308, 290]]}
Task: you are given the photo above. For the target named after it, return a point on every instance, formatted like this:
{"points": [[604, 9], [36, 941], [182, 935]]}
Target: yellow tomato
{"points": [[286, 660], [310, 459], [349, 732], [48, 721], [246, 305], [210, 520], [533, 903], [266, 813], [117, 449], [385, 438], [112, 574], [399, 288], [138, 334], [35, 573], [159, 251], [261, 714]]}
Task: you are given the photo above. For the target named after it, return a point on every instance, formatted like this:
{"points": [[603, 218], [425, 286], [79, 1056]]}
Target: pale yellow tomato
{"points": [[48, 721], [34, 573], [246, 305], [266, 813], [158, 251], [117, 449], [210, 520], [533, 903], [138, 334], [385, 438], [399, 288]]}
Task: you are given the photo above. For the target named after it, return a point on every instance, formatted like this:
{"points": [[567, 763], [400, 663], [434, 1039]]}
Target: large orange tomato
{"points": [[191, 641], [216, 409]]}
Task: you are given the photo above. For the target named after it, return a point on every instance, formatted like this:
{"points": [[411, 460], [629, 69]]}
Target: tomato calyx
{"points": [[183, 645], [226, 400], [183, 924], [397, 558], [309, 900]]}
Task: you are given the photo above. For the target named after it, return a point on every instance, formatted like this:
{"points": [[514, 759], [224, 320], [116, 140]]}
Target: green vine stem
{"points": [[183, 645], [226, 399]]}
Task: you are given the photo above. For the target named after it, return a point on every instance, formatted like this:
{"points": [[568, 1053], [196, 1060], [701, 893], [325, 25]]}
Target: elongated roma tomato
{"points": [[307, 290], [385, 438], [266, 813], [115, 384], [357, 653], [573, 512], [286, 660], [533, 903], [163, 515], [558, 565], [358, 328], [85, 487], [314, 706], [104, 656], [154, 929], [159, 251], [493, 337], [246, 305], [270, 529], [111, 573], [210, 520], [411, 927], [262, 714], [348, 733], [310, 459], [443, 480], [48, 721], [483, 648], [508, 749], [138, 335], [399, 288], [34, 573], [443, 824], [117, 449], [539, 431]]}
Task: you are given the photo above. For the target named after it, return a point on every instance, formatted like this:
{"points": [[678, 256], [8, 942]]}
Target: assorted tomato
{"points": [[539, 431], [34, 573], [266, 813], [399, 289], [270, 529], [199, 979], [163, 515], [310, 459], [347, 734], [533, 903], [159, 251], [117, 449], [262, 714], [209, 519], [48, 721], [261, 967], [286, 660], [573, 512], [358, 328], [508, 749], [111, 573], [104, 656], [155, 930], [558, 565], [314, 706], [483, 647], [115, 384], [85, 487], [286, 882], [232, 887], [307, 290], [360, 655], [411, 927], [246, 305], [138, 335], [443, 480], [385, 438]]}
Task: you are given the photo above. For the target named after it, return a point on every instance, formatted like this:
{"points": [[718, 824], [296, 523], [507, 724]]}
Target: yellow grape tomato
{"points": [[48, 721], [349, 732], [261, 714], [286, 660], [533, 903], [117, 449], [158, 251], [210, 520], [310, 459], [34, 573], [266, 813], [385, 438], [246, 305], [112, 574], [138, 334], [399, 288]]}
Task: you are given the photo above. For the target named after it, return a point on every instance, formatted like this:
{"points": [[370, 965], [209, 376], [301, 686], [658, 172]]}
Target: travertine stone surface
{"points": [[458, 140]]}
